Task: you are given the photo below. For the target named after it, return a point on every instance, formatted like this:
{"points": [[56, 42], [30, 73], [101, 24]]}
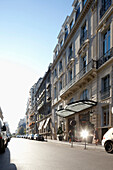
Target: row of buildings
{"points": [[78, 85]]}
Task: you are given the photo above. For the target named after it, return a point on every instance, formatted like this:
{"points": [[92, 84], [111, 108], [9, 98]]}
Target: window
{"points": [[106, 42], [77, 7], [55, 73], [84, 64], [66, 32], [71, 25], [83, 34], [70, 75], [61, 43], [60, 85], [60, 66], [56, 53], [55, 92], [105, 5], [84, 95], [105, 116], [84, 2], [105, 87], [70, 52]]}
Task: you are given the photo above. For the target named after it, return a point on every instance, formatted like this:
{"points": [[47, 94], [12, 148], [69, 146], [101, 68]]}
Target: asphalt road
{"points": [[24, 154]]}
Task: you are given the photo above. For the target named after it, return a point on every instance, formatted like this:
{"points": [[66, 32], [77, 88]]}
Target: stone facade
{"points": [[82, 66]]}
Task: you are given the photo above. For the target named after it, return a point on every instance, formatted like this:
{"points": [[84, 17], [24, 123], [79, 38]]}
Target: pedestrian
{"points": [[70, 136], [96, 136]]}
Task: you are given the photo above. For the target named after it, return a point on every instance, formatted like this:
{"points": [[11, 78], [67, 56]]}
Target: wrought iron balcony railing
{"points": [[89, 66], [83, 38], [105, 58], [105, 92], [105, 8]]}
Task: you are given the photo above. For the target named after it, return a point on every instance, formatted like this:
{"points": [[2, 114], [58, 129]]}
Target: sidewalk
{"points": [[78, 144]]}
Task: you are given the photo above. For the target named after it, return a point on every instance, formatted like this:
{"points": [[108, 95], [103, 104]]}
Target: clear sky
{"points": [[28, 36]]}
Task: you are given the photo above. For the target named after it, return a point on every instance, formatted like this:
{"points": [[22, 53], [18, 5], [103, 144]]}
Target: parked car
{"points": [[3, 137], [26, 136], [107, 141], [31, 136], [38, 137]]}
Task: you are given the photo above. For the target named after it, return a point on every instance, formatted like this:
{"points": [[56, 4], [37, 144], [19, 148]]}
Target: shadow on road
{"points": [[5, 161]]}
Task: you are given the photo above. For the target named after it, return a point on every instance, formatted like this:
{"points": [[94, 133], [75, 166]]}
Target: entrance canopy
{"points": [[75, 107], [41, 124], [47, 121]]}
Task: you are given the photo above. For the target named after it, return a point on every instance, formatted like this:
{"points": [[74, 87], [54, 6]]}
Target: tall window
{"points": [[105, 5], [66, 32], [83, 34], [105, 87], [70, 75], [55, 72], [105, 116], [60, 85], [55, 92], [84, 2], [84, 64], [71, 25], [70, 52], [77, 7], [61, 43], [106, 42], [84, 95], [60, 65]]}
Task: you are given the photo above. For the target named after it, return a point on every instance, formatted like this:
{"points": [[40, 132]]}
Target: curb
{"points": [[91, 146]]}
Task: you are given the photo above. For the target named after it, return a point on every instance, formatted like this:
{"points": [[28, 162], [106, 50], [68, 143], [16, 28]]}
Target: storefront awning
{"points": [[47, 121], [41, 124], [75, 107]]}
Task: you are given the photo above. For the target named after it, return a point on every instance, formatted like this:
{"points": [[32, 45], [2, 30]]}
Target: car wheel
{"points": [[109, 147]]}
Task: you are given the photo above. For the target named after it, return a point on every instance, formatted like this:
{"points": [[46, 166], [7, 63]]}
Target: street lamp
{"points": [[84, 135]]}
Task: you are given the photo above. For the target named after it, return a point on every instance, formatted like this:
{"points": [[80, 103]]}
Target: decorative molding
{"points": [[84, 47]]}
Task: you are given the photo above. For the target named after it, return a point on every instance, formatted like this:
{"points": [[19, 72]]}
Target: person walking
{"points": [[96, 136]]}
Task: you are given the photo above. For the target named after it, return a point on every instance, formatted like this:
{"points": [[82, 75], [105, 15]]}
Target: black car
{"points": [[38, 137]]}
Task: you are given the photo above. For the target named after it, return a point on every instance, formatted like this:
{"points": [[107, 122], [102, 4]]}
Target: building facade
{"points": [[43, 97], [82, 69]]}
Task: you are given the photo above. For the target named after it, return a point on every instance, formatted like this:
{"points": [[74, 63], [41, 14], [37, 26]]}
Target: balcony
{"points": [[105, 93], [83, 38], [82, 77], [105, 8], [105, 58]]}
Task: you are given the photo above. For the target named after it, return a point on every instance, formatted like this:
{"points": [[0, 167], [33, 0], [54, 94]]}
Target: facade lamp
{"points": [[84, 135]]}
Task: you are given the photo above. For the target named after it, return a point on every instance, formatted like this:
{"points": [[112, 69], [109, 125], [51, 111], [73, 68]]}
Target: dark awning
{"points": [[75, 107]]}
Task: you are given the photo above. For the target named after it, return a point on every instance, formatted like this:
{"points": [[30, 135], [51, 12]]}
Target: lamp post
{"points": [[84, 135]]}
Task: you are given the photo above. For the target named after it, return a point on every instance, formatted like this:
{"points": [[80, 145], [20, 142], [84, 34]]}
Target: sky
{"points": [[28, 36]]}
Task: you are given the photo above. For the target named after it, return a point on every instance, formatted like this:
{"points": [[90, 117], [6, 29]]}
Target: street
{"points": [[24, 154]]}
